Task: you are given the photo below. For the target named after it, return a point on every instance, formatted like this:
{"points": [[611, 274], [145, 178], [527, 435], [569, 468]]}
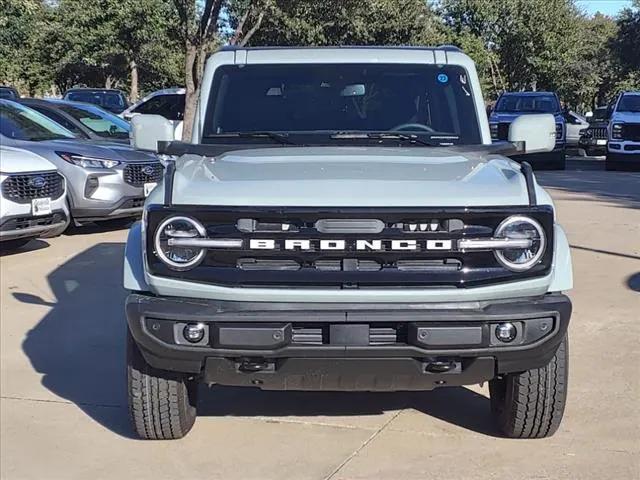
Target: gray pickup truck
{"points": [[342, 222]]}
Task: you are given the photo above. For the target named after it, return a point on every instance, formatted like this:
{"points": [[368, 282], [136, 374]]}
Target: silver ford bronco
{"points": [[341, 221]]}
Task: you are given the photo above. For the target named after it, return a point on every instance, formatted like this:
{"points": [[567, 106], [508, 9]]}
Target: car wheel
{"points": [[162, 404], [531, 404]]}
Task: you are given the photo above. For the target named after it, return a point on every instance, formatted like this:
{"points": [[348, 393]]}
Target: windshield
{"points": [[8, 93], [22, 123], [317, 99], [528, 103], [108, 100], [98, 121], [600, 114], [629, 103]]}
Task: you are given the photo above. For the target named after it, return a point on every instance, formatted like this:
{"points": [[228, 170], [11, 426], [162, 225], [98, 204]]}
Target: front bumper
{"points": [[286, 346], [124, 207], [29, 226]]}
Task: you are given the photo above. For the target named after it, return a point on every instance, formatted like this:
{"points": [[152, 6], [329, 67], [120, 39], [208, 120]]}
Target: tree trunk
{"points": [[133, 94], [191, 96]]}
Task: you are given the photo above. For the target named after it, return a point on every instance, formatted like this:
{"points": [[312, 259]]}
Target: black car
{"points": [[113, 100], [9, 93], [83, 119], [594, 138]]}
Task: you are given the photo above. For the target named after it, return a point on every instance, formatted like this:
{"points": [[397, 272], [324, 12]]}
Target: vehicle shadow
{"points": [[619, 188], [456, 405], [79, 348], [32, 246]]}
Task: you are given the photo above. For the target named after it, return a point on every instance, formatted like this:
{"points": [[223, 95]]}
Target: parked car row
{"points": [[105, 179], [612, 130]]}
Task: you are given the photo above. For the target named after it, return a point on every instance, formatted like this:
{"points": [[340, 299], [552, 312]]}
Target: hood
{"points": [[511, 116], [625, 117], [16, 160], [348, 176], [106, 150]]}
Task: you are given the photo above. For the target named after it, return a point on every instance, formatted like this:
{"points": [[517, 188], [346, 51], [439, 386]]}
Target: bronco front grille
{"points": [[137, 174], [435, 262], [22, 188]]}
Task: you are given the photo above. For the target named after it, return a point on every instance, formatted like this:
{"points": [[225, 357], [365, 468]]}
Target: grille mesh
{"points": [[24, 188], [137, 174]]}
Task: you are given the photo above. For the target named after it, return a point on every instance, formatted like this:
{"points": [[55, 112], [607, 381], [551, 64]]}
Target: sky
{"points": [[608, 7]]}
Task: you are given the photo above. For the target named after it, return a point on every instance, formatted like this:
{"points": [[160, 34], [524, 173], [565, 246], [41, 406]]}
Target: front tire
{"points": [[162, 404], [531, 404]]}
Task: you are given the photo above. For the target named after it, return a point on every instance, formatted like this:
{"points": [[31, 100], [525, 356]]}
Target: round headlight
{"points": [[518, 228], [172, 230]]}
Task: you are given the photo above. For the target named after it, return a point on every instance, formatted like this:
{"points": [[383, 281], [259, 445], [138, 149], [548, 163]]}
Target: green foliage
{"points": [[342, 22], [544, 45]]}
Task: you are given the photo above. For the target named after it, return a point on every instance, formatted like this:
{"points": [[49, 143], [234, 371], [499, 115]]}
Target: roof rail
{"points": [[449, 48]]}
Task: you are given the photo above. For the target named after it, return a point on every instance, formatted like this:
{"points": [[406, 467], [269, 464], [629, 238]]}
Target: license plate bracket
{"points": [[41, 206]]}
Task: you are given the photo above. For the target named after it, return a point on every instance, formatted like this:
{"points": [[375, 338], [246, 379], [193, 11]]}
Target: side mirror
{"points": [[588, 115], [537, 132], [148, 130]]}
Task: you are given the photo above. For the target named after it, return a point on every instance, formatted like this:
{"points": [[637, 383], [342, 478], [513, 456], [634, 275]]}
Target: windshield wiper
{"points": [[381, 136], [277, 137]]}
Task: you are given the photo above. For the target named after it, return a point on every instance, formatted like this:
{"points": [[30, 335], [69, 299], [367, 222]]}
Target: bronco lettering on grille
{"points": [[312, 245]]}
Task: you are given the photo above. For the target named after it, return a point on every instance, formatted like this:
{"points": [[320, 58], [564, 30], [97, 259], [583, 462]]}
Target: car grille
{"points": [[503, 130], [631, 131], [379, 333], [23, 188], [137, 174], [242, 266], [599, 133], [20, 223]]}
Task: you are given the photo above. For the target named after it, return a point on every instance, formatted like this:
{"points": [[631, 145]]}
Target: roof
{"points": [[446, 48], [529, 93], [75, 89]]}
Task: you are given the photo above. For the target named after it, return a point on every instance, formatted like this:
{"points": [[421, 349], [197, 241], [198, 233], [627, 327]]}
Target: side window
{"points": [[60, 120], [169, 106]]}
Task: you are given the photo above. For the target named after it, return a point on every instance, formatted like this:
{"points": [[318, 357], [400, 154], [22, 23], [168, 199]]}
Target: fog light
{"points": [[193, 332], [506, 332]]}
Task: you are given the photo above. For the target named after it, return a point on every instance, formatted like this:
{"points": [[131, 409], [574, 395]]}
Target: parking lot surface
{"points": [[63, 408]]}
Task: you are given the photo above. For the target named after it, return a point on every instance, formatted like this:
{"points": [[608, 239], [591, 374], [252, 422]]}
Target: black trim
{"points": [[170, 171], [527, 171], [179, 148], [220, 267]]}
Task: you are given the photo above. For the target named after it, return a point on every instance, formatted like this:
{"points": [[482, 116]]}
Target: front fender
{"points": [[562, 278], [133, 262]]}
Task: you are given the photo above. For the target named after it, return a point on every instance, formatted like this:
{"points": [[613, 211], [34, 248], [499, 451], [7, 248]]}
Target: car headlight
{"points": [[559, 131], [87, 162], [616, 131], [493, 128], [169, 234], [521, 259]]}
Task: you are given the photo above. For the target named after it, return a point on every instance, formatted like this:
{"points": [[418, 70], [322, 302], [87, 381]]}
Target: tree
{"points": [[18, 65], [341, 22]]}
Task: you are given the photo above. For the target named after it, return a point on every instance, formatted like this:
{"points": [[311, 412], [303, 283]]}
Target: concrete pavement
{"points": [[63, 406]]}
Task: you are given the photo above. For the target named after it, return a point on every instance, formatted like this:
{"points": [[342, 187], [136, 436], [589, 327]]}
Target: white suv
{"points": [[168, 102], [623, 149], [34, 200]]}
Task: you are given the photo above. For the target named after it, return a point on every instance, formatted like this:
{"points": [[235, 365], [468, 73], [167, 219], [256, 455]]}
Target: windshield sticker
{"points": [[443, 77]]}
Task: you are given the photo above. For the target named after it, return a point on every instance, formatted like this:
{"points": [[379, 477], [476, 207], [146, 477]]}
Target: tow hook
{"points": [[443, 366], [248, 365]]}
